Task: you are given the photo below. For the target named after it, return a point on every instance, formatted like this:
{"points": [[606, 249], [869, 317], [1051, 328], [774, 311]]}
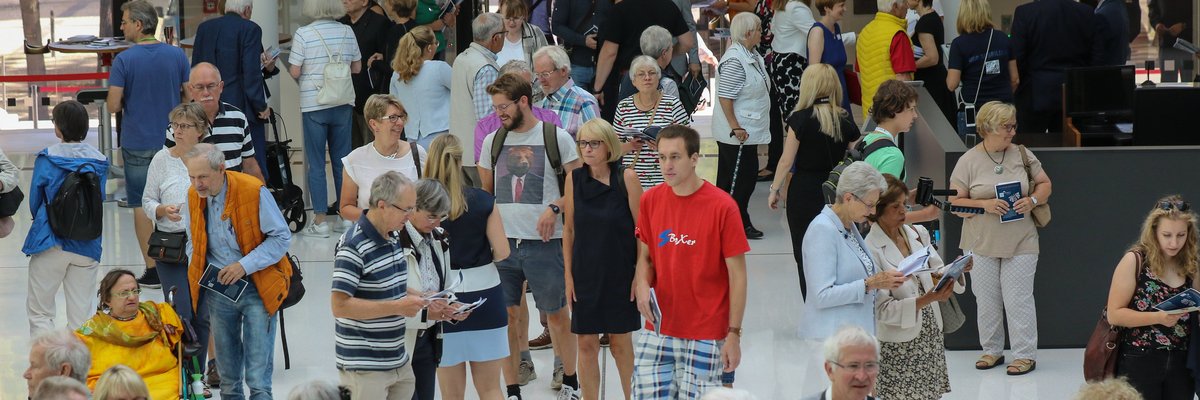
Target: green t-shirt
{"points": [[427, 13], [888, 160]]}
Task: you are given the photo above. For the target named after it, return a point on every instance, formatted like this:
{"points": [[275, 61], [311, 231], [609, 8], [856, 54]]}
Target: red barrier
{"points": [[54, 77]]}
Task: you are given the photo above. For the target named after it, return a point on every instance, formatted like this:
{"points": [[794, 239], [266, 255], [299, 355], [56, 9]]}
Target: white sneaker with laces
{"points": [[342, 225], [569, 393], [316, 230]]}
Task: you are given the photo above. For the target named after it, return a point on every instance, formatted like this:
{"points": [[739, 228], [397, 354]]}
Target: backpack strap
{"points": [[550, 139], [882, 143], [498, 145]]}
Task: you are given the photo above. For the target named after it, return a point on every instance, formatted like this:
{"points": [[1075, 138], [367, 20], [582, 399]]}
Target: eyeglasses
{"points": [[501, 108], [204, 88], [544, 75], [129, 293], [591, 144], [1009, 127], [860, 200], [645, 74], [1179, 205], [182, 126], [868, 367], [406, 211], [431, 217], [514, 19], [394, 118]]}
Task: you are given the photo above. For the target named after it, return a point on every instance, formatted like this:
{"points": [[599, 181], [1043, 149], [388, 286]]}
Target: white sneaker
{"points": [[342, 225], [569, 393], [316, 230], [512, 398]]}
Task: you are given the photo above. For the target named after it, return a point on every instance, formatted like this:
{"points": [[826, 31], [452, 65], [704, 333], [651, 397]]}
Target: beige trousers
{"points": [[397, 384], [75, 273]]}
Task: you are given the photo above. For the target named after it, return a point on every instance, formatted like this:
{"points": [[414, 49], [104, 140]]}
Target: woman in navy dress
{"points": [[827, 44]]}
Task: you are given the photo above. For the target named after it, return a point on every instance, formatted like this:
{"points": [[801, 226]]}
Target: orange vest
{"points": [[241, 207]]}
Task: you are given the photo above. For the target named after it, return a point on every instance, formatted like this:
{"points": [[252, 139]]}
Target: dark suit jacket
{"points": [[531, 193], [1113, 32], [1171, 12], [1049, 36], [234, 45]]}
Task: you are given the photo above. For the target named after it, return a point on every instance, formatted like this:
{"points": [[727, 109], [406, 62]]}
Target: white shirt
{"points": [[791, 28], [364, 164], [512, 51], [527, 149]]}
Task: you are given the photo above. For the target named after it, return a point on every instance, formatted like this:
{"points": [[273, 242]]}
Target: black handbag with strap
{"points": [[10, 202], [168, 247]]}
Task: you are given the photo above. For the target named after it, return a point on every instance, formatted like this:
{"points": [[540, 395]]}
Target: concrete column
{"points": [[266, 15]]}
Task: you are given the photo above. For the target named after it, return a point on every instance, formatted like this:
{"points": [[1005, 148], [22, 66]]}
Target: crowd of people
{"points": [[569, 171]]}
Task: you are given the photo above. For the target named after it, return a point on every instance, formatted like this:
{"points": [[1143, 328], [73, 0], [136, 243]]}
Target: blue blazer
{"points": [[234, 45], [1114, 32], [836, 278]]}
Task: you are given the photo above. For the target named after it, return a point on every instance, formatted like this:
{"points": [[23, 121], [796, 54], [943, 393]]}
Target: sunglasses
{"points": [[1178, 205]]}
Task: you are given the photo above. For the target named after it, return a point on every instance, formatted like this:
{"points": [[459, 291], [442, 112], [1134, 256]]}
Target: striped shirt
{"points": [[370, 267], [630, 121], [573, 105], [230, 133], [309, 52]]}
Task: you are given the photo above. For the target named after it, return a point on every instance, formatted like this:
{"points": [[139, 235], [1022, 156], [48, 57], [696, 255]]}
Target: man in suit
{"points": [[234, 44], [1049, 36], [852, 364], [1114, 32], [1171, 20], [520, 185]]}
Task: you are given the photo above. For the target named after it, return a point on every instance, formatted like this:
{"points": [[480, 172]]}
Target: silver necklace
{"points": [[999, 169]]}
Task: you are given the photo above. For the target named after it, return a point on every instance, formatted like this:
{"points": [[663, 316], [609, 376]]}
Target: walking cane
{"points": [[736, 165], [603, 370]]}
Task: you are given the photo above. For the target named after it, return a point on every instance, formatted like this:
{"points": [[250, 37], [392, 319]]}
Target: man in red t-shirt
{"points": [[691, 253]]}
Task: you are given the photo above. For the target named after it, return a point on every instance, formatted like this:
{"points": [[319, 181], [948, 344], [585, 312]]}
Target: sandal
{"points": [[1021, 366], [988, 361]]}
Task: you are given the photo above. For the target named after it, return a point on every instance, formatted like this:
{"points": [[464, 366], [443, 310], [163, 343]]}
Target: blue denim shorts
{"points": [[137, 166], [541, 264]]}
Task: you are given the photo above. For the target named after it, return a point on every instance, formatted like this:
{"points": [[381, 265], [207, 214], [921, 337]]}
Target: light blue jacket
{"points": [[836, 278], [49, 170]]}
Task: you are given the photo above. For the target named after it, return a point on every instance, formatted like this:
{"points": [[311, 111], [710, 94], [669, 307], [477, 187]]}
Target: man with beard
{"points": [[230, 127], [533, 228]]}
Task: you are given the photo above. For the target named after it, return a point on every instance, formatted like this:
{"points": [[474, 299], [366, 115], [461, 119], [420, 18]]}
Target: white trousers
{"points": [[1004, 286], [75, 273]]}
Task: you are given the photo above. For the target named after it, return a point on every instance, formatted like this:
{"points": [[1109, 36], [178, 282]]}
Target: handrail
{"points": [[54, 77]]}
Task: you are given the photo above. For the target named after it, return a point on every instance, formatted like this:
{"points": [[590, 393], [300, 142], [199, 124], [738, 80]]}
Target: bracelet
{"points": [[738, 129], [774, 189]]}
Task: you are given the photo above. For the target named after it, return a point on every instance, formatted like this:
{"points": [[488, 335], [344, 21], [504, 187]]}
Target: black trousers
{"points": [[775, 149], [746, 176], [425, 358], [1157, 374], [1030, 120]]}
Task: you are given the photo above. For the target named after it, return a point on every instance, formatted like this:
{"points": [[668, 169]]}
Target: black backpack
{"points": [[860, 153], [77, 211], [550, 139]]}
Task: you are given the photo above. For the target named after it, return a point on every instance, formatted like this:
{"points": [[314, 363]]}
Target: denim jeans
{"points": [[175, 275], [584, 77], [137, 165], [244, 336], [331, 127]]}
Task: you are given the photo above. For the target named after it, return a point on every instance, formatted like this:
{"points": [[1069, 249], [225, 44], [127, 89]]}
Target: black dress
{"points": [[604, 256], [935, 76], [817, 155]]}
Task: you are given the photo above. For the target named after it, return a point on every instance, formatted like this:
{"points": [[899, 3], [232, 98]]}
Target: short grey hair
{"points": [[848, 336], [859, 179], [323, 9], [238, 5], [142, 11], [315, 390], [727, 394], [886, 5], [63, 347], [387, 187], [655, 40], [644, 62], [209, 152], [432, 197], [742, 26], [556, 54], [59, 388], [486, 25], [516, 66]]}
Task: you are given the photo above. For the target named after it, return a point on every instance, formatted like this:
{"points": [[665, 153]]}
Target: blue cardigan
{"points": [[836, 278]]}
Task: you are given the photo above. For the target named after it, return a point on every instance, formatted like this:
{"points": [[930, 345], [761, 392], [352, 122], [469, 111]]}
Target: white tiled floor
{"points": [[774, 365]]}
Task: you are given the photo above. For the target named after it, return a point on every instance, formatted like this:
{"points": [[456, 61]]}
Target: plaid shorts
{"points": [[672, 368]]}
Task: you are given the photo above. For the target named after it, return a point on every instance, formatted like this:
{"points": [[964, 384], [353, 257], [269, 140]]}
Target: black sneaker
{"points": [[752, 233], [149, 279], [333, 209]]}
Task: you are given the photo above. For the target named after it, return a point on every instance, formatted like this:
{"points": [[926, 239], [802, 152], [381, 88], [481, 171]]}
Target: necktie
{"points": [[520, 187]]}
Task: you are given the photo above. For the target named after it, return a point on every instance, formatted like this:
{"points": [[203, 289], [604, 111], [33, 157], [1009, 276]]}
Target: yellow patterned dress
{"points": [[141, 344]]}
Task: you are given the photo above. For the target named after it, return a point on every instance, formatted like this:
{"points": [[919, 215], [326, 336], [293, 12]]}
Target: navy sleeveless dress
{"points": [[484, 335], [604, 256]]}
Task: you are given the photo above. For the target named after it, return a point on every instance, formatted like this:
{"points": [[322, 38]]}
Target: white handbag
{"points": [[337, 89]]}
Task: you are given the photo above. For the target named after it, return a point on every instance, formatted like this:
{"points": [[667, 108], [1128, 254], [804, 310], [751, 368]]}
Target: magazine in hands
{"points": [[916, 262], [449, 7], [953, 271], [1010, 192], [655, 312], [447, 294], [1184, 302], [232, 291], [468, 307]]}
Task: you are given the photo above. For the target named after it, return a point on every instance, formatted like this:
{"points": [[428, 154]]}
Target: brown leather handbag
{"points": [[1100, 356]]}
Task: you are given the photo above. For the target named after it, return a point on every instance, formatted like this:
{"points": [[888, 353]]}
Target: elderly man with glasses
{"points": [[230, 127], [852, 363], [574, 105]]}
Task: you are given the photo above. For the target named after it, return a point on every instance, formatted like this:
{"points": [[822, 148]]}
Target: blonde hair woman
{"points": [[479, 241], [968, 64], [423, 84], [1006, 254], [599, 260], [388, 152], [1162, 263], [120, 383], [822, 129]]}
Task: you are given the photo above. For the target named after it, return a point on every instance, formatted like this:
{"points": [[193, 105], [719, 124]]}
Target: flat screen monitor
{"points": [[1163, 116], [1100, 91]]}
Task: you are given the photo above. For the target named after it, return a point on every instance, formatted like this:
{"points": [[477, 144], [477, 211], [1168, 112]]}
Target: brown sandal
{"points": [[1021, 366], [988, 361]]}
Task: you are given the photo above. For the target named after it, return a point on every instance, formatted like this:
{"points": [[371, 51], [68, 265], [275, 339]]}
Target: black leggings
{"points": [[1157, 374], [747, 174]]}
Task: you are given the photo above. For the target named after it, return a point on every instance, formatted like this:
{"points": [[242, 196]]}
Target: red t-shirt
{"points": [[901, 53], [689, 238]]}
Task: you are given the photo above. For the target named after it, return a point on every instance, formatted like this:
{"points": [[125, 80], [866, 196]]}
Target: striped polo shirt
{"points": [[312, 47], [230, 133], [369, 266]]}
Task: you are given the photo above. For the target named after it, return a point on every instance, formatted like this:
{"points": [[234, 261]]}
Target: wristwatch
{"points": [[1034, 200], [555, 208], [735, 331]]}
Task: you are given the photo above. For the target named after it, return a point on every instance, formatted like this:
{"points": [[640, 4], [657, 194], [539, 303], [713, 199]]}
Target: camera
{"points": [[926, 192]]}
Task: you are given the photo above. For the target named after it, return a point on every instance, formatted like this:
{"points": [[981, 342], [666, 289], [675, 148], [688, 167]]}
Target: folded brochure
{"points": [[468, 307], [1010, 192], [656, 312], [232, 291], [953, 271], [1184, 302], [916, 262]]}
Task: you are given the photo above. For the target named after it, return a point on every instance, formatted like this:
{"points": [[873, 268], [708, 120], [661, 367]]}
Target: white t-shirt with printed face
{"points": [[524, 180]]}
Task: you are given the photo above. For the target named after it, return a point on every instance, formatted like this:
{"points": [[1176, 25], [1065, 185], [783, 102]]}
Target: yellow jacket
{"points": [[873, 55], [154, 361]]}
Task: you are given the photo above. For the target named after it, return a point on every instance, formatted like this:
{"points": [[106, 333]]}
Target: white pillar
{"points": [[266, 15]]}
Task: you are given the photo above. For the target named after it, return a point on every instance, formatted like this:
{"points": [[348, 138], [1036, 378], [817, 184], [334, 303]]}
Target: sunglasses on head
{"points": [[1178, 205]]}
